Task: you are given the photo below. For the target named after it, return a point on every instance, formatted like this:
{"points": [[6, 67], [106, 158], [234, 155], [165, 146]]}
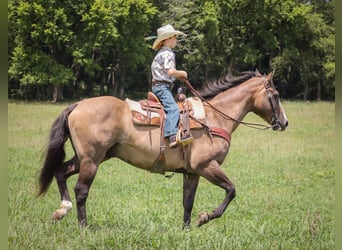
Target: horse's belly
{"points": [[146, 157]]}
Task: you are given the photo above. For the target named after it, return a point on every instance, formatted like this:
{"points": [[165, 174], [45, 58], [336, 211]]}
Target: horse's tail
{"points": [[55, 153]]}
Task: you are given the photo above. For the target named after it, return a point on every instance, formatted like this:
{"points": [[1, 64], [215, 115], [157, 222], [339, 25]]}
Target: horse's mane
{"points": [[211, 88]]}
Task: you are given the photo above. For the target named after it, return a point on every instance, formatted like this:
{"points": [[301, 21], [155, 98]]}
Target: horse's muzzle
{"points": [[279, 126]]}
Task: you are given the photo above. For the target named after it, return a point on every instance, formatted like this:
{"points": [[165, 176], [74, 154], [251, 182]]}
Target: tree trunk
{"points": [[113, 82], [230, 68], [306, 91], [122, 84], [114, 86], [318, 90], [57, 93], [102, 82], [89, 86], [43, 92], [121, 91], [38, 93]]}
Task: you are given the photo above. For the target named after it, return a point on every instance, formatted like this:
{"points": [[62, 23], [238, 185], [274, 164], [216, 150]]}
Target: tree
{"points": [[306, 51], [42, 30], [133, 20], [93, 47], [294, 37], [74, 43]]}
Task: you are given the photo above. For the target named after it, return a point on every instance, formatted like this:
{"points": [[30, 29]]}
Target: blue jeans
{"points": [[163, 92]]}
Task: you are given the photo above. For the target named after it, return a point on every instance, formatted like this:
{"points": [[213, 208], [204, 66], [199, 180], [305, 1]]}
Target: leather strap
{"points": [[220, 132], [169, 84], [215, 131], [154, 82], [159, 163]]}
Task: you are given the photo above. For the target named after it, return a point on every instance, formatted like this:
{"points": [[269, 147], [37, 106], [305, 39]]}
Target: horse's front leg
{"points": [[190, 183], [68, 169], [215, 175]]}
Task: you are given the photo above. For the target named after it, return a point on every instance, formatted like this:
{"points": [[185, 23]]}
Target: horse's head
{"points": [[268, 106]]}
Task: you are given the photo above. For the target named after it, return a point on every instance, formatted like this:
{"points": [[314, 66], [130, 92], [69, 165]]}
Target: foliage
{"points": [[38, 63], [74, 42], [309, 44], [93, 44]]}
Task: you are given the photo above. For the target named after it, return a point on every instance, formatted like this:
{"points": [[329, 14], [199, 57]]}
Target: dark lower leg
{"points": [[85, 179], [205, 217], [230, 194], [69, 168], [81, 191], [190, 183], [215, 175]]}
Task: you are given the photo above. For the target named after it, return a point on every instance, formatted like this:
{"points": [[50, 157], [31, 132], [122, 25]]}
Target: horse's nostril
{"points": [[287, 123]]}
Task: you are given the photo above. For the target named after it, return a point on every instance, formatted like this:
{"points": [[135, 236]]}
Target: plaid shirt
{"points": [[162, 62]]}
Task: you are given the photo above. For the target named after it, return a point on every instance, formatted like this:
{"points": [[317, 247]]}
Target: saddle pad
{"points": [[135, 106], [197, 107]]}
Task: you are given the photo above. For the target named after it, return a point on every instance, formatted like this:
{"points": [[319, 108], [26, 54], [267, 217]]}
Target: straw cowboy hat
{"points": [[165, 32]]}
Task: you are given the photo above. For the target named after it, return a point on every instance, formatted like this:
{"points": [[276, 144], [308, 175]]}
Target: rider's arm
{"points": [[179, 74]]}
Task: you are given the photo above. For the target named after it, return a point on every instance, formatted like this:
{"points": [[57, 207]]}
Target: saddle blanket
{"points": [[152, 117]]}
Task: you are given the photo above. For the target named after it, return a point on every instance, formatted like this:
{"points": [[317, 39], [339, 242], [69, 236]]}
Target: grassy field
{"points": [[285, 192]]}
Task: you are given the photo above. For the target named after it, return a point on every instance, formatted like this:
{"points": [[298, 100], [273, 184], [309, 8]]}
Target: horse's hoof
{"points": [[82, 223], [58, 214], [202, 219], [186, 227]]}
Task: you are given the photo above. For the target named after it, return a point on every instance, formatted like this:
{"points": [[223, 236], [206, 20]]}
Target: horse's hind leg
{"points": [[68, 169], [85, 178], [215, 175]]}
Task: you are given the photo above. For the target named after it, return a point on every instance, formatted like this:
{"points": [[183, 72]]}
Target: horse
{"points": [[100, 128]]}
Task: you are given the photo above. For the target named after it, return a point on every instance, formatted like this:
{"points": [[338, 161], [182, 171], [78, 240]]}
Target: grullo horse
{"points": [[100, 128]]}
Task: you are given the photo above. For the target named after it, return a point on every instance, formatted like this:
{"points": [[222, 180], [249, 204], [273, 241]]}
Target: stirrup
{"points": [[184, 139]]}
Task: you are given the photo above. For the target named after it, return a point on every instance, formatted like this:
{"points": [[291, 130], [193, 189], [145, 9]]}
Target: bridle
{"points": [[274, 122]]}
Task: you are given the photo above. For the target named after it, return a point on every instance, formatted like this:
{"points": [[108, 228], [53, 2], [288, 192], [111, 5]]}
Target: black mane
{"points": [[213, 87]]}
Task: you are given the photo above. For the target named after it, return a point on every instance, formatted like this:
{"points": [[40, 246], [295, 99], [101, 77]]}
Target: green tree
{"points": [[306, 51], [93, 47], [296, 38], [78, 44], [134, 21], [42, 30]]}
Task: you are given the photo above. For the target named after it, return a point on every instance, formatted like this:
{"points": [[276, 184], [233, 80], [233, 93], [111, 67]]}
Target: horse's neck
{"points": [[235, 103]]}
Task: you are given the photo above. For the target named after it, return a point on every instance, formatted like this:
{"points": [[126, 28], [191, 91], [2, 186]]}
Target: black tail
{"points": [[55, 153]]}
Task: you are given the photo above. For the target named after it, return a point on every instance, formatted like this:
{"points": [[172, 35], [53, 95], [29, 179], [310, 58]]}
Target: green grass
{"points": [[285, 192]]}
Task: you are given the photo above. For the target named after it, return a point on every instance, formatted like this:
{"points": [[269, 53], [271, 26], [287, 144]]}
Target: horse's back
{"points": [[102, 102], [104, 111]]}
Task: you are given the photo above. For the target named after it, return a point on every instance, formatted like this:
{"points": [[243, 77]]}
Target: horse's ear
{"points": [[270, 75], [257, 72]]}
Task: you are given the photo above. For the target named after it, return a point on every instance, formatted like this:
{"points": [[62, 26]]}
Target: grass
{"points": [[285, 192]]}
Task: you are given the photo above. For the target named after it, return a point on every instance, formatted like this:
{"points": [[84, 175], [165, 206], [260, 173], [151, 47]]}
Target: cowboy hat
{"points": [[165, 32]]}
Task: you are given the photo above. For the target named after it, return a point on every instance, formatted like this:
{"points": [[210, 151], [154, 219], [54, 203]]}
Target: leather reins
{"points": [[224, 115]]}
